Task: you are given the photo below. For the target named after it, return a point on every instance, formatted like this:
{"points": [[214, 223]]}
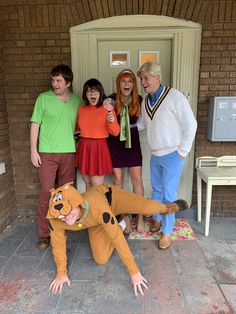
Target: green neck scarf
{"points": [[125, 124]]}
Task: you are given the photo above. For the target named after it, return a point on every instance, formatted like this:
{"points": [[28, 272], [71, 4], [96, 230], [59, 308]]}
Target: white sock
{"points": [[122, 223]]}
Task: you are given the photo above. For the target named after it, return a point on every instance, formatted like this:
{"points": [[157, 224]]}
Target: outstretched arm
{"points": [[58, 242], [138, 281], [118, 241]]}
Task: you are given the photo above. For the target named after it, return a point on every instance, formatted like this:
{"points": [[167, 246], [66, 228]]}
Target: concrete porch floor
{"points": [[193, 276]]}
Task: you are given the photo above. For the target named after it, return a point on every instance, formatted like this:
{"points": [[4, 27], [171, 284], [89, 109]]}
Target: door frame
{"points": [[186, 43]]}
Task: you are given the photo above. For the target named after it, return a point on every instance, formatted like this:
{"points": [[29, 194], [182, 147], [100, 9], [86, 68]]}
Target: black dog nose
{"points": [[58, 206]]}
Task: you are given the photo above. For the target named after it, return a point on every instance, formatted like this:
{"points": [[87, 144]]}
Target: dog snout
{"points": [[58, 206]]}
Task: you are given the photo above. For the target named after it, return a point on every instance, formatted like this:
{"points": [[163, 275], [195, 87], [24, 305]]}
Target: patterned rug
{"points": [[182, 231]]}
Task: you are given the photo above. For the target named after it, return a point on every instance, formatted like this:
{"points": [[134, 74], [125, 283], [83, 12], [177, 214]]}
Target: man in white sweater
{"points": [[171, 128]]}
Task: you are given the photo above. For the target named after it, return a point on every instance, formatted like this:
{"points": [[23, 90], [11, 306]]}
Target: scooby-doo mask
{"points": [[63, 200]]}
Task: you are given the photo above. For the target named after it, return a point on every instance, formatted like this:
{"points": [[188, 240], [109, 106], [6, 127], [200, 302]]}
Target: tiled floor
{"points": [[196, 277]]}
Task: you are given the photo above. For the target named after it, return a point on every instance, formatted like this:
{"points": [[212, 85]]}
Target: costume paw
{"points": [[182, 204]]}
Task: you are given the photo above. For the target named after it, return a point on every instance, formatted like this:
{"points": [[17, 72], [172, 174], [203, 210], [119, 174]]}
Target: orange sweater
{"points": [[92, 122]]}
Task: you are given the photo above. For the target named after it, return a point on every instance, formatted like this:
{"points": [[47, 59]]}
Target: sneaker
{"points": [[165, 241], [43, 243], [155, 225]]}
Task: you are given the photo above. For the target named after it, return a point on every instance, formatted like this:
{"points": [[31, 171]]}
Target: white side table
{"points": [[212, 176]]}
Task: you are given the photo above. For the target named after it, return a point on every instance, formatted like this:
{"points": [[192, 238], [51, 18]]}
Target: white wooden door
{"points": [[179, 43], [107, 75]]}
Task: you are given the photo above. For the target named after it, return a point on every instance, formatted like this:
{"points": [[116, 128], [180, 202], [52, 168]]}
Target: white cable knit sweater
{"points": [[170, 123]]}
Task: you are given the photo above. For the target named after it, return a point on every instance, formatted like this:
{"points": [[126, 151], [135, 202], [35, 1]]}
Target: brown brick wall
{"points": [[217, 78], [36, 37], [7, 191]]}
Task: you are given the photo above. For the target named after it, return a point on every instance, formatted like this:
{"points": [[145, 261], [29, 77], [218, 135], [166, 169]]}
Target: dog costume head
{"points": [[63, 200]]}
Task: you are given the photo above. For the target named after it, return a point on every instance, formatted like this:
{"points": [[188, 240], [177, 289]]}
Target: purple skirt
{"points": [[123, 157]]}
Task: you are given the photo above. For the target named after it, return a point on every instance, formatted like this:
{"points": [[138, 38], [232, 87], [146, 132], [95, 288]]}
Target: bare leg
{"points": [[136, 179], [92, 180], [118, 177], [96, 180], [87, 181]]}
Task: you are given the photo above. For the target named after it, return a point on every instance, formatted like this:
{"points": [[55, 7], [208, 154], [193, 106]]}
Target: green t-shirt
{"points": [[57, 120]]}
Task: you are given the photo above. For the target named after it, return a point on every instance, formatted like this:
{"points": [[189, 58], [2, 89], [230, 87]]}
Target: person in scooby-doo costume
{"points": [[96, 210]]}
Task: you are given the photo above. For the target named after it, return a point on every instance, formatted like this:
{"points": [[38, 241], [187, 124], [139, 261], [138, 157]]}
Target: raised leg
{"points": [[127, 202]]}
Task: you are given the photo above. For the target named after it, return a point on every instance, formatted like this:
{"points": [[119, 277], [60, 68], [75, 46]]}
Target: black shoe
{"points": [[182, 204], [43, 243]]}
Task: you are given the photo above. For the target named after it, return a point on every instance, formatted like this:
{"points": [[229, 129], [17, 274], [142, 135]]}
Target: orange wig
{"points": [[134, 107]]}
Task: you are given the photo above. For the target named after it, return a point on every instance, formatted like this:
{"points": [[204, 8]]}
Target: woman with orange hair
{"points": [[125, 148]]}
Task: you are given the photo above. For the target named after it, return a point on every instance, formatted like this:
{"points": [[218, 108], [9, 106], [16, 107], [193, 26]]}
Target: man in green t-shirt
{"points": [[52, 141]]}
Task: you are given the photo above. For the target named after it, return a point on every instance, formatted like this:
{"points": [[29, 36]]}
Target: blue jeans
{"points": [[165, 175]]}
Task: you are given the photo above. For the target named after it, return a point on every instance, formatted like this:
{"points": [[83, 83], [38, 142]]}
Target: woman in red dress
{"points": [[94, 123]]}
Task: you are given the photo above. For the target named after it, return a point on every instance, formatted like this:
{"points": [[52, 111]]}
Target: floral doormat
{"points": [[182, 231]]}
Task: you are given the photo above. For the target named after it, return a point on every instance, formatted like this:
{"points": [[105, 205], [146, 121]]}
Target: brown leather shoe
{"points": [[165, 241], [43, 243], [155, 225]]}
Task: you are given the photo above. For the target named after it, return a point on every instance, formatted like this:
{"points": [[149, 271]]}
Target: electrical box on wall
{"points": [[222, 119]]}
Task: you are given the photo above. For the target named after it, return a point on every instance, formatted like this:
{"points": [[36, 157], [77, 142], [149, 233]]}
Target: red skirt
{"points": [[93, 157]]}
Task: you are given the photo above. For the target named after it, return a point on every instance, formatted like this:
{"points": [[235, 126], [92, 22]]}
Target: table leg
{"points": [[208, 207], [199, 198]]}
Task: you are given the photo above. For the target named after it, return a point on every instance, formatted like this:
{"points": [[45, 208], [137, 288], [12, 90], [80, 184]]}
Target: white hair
{"points": [[152, 68]]}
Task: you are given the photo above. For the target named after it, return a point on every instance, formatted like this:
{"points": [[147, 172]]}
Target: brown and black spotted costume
{"points": [[104, 203]]}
